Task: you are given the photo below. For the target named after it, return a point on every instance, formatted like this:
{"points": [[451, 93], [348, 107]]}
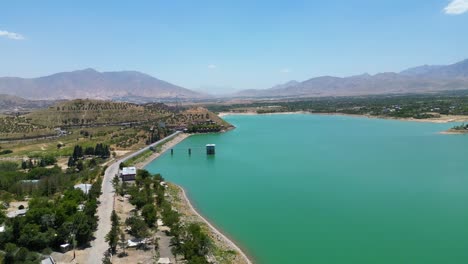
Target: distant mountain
{"points": [[457, 70], [11, 103], [90, 83], [285, 85], [415, 80]]}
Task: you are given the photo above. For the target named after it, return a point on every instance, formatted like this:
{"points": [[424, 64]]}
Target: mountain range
{"points": [[137, 86], [89, 83], [422, 79]]}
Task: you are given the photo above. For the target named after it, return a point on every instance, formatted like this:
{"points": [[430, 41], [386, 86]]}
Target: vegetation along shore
{"points": [[175, 212], [59, 192], [442, 107], [224, 250]]}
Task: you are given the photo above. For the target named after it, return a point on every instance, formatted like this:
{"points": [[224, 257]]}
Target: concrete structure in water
{"points": [[210, 149]]}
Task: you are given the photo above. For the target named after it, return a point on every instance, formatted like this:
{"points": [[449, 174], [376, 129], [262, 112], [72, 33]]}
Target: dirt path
{"points": [[164, 245]]}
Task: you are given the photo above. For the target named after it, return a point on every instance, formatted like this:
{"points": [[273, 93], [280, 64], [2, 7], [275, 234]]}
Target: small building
{"points": [[128, 173], [85, 187], [210, 149], [30, 181], [60, 132], [20, 212], [2, 229], [64, 247], [136, 242], [164, 261]]}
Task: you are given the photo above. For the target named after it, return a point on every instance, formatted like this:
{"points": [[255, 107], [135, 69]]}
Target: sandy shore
{"points": [[440, 120], [454, 132], [219, 238]]}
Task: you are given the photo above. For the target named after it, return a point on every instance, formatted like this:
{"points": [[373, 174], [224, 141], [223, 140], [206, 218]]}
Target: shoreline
{"points": [[228, 243], [440, 120], [454, 132], [225, 239]]}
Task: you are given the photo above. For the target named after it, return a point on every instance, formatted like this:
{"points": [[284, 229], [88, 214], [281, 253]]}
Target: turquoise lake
{"points": [[331, 189]]}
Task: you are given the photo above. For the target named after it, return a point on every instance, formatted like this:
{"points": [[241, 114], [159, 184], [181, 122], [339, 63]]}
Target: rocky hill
{"points": [[90, 83], [11, 104], [77, 114]]}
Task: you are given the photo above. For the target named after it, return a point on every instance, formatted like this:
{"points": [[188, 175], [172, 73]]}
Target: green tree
{"points": [[80, 165], [195, 244], [71, 162], [123, 243], [113, 236], [10, 251], [83, 228], [148, 212], [114, 218], [138, 227], [31, 237]]}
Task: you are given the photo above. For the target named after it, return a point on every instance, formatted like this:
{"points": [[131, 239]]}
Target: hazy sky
{"points": [[230, 44]]}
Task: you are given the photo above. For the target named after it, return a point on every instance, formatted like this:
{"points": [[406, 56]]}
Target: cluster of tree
{"points": [[189, 241], [138, 227], [400, 106], [48, 223], [14, 254], [85, 133], [113, 236], [18, 125], [5, 151], [39, 162], [148, 196], [204, 128], [192, 243], [142, 195], [461, 127], [38, 181], [100, 150], [141, 221], [156, 134]]}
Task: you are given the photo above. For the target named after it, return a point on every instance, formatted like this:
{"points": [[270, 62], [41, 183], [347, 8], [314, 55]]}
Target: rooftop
{"points": [[128, 171], [17, 213], [85, 187], [164, 261]]}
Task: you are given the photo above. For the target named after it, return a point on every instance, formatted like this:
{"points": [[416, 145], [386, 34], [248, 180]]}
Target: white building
{"points": [[85, 187], [16, 213], [128, 173]]}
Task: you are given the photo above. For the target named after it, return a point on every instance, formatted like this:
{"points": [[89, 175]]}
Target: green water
{"points": [[331, 189]]}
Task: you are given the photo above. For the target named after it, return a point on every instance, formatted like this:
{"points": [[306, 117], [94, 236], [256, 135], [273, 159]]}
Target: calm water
{"points": [[331, 189]]}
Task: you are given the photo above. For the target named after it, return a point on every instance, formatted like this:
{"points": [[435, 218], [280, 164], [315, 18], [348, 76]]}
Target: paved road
{"points": [[99, 245]]}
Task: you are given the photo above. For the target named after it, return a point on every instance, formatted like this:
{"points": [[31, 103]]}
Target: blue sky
{"points": [[223, 45]]}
